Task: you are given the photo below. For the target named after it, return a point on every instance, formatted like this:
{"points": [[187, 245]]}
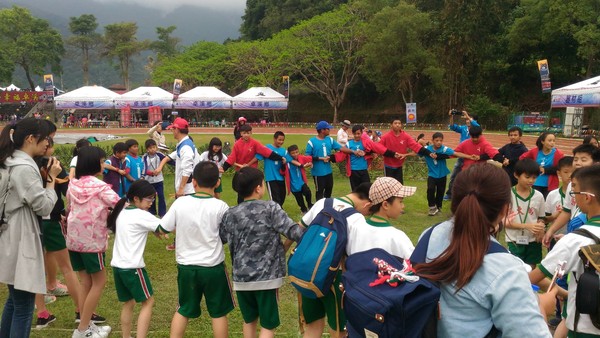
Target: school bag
{"points": [[409, 309], [587, 298], [196, 158], [313, 265]]}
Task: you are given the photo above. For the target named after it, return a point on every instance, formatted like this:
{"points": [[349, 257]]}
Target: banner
{"points": [[49, 86], [411, 113], [21, 96], [544, 76], [286, 86], [177, 87]]}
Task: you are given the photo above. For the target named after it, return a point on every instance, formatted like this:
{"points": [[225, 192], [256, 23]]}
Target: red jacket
{"points": [[243, 152], [370, 147], [400, 144], [303, 159], [553, 182], [470, 148]]}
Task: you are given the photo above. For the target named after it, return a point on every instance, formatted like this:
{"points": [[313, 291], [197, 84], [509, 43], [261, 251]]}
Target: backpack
{"points": [[587, 298], [315, 262], [196, 159]]}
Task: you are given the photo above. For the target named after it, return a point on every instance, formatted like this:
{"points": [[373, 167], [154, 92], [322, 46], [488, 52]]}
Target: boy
{"points": [[555, 200], [463, 130], [315, 310], [358, 164], [525, 230], [585, 188], [296, 177], [437, 172], [199, 253], [116, 170], [273, 176], [134, 162], [478, 148], [512, 151], [253, 230], [152, 160]]}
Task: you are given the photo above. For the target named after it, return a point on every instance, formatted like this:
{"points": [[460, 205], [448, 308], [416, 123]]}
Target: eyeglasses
{"points": [[573, 193], [150, 200]]}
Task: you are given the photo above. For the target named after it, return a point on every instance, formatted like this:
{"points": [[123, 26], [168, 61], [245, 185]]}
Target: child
{"points": [[116, 170], [585, 188], [358, 164], [215, 155], [88, 200], [273, 176], [555, 200], [199, 253], [131, 223], [296, 177], [78, 145], [253, 230], [524, 232], [547, 157], [134, 162], [152, 160], [438, 172], [512, 151]]}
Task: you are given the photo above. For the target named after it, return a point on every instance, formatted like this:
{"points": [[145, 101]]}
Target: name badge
{"points": [[276, 162], [522, 240]]}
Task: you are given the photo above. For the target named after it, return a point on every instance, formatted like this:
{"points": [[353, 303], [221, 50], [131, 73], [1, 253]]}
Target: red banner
{"points": [[21, 96]]}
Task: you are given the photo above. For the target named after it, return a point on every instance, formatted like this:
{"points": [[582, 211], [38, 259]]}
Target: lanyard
{"points": [[347, 200], [380, 219], [202, 194], [517, 197]]}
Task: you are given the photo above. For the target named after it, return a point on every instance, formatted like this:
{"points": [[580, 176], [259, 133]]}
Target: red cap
{"points": [[179, 123]]}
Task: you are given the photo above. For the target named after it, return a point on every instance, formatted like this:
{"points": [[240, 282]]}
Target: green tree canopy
{"points": [[84, 40], [120, 43]]}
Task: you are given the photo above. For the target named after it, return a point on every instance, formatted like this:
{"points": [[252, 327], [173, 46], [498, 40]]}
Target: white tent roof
{"points": [[38, 89], [145, 97], [87, 97], [260, 98], [205, 93], [12, 87], [581, 94], [203, 98]]}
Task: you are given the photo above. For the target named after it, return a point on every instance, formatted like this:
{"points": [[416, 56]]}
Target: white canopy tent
{"points": [[87, 97], [260, 98], [581, 94], [12, 87], [203, 98], [144, 98]]}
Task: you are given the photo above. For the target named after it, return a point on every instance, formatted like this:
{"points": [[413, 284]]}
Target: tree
{"points": [[29, 42], [264, 70], [120, 42], [166, 45], [84, 39]]}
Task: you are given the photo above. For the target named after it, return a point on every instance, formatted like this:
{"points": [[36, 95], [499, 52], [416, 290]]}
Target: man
{"points": [[512, 151], [463, 130], [342, 134]]}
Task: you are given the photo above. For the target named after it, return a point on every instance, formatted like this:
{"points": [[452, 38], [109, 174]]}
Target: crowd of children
{"points": [[132, 188]]}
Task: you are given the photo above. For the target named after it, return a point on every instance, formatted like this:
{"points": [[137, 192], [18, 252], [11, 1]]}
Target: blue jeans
{"points": [[162, 205], [18, 314]]}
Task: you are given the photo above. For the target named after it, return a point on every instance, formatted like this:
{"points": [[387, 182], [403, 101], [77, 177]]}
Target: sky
{"points": [[166, 5]]}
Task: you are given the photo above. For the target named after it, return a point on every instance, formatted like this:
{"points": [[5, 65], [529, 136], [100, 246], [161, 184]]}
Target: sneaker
{"points": [[49, 299], [85, 334], [103, 330], [96, 319], [447, 197], [170, 247], [44, 322], [60, 290], [433, 211]]}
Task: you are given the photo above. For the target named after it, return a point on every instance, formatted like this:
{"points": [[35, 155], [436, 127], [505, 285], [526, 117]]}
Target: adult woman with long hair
{"points": [[21, 254], [547, 156], [481, 293]]}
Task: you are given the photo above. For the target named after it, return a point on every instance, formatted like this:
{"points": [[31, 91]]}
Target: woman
{"points": [[236, 130], [547, 157], [480, 294], [22, 261], [155, 133]]}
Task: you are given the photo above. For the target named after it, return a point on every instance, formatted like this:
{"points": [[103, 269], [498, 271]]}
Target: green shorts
{"points": [[195, 281], [330, 306], [91, 262], [262, 304], [219, 188], [53, 238], [132, 284], [530, 253]]}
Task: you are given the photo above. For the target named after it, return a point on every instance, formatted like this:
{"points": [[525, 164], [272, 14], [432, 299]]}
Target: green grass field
{"points": [[161, 265]]}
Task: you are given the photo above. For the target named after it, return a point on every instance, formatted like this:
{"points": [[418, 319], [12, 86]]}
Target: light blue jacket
{"points": [[499, 294]]}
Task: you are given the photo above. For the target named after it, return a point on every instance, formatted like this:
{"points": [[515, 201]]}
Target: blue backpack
{"points": [[315, 262], [408, 310]]}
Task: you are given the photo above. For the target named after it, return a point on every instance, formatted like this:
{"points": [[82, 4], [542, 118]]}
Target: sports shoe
{"points": [[447, 197], [60, 290], [86, 334], [103, 330], [49, 299], [44, 322], [96, 319], [433, 211]]}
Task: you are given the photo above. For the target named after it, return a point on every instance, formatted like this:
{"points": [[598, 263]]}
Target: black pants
{"points": [[395, 173], [357, 177], [277, 191], [435, 191], [457, 169], [323, 186], [301, 195]]}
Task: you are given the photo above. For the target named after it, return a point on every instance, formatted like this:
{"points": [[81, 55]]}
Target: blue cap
{"points": [[323, 125]]}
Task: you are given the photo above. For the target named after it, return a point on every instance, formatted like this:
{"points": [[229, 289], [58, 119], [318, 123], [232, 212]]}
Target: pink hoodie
{"points": [[88, 201]]}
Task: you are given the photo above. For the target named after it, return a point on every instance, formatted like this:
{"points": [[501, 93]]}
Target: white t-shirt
{"points": [[554, 204], [570, 203], [528, 211], [73, 163], [342, 137], [133, 225], [196, 219], [184, 165], [215, 159]]}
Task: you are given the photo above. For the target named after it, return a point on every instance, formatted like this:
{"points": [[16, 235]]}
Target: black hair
{"points": [[376, 207], [215, 141], [130, 143], [357, 127], [527, 166], [20, 131], [293, 147], [83, 142], [589, 177], [277, 134], [515, 128], [88, 161], [206, 174], [542, 138], [566, 161], [184, 131], [246, 180], [51, 126], [588, 149], [149, 143], [119, 147], [140, 189], [474, 117], [475, 131], [245, 127], [437, 135], [362, 190], [589, 138], [421, 135]]}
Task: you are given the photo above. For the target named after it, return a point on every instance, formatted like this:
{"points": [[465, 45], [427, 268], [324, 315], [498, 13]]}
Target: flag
{"points": [[411, 113], [177, 86], [49, 86], [545, 75]]}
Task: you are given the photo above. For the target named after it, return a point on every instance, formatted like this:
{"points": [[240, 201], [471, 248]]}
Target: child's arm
{"points": [[163, 162], [462, 155], [535, 228]]}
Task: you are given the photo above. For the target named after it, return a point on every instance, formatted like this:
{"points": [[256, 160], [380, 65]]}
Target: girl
{"points": [[215, 154], [21, 265], [236, 130], [480, 293], [89, 200], [131, 222], [547, 157], [78, 145], [590, 139]]}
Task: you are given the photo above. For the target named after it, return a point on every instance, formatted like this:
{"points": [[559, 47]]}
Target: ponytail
{"points": [[111, 222], [140, 189]]}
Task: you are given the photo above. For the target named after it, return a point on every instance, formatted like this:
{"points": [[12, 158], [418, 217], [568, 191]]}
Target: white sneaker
{"points": [[103, 330], [86, 334], [433, 211]]}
